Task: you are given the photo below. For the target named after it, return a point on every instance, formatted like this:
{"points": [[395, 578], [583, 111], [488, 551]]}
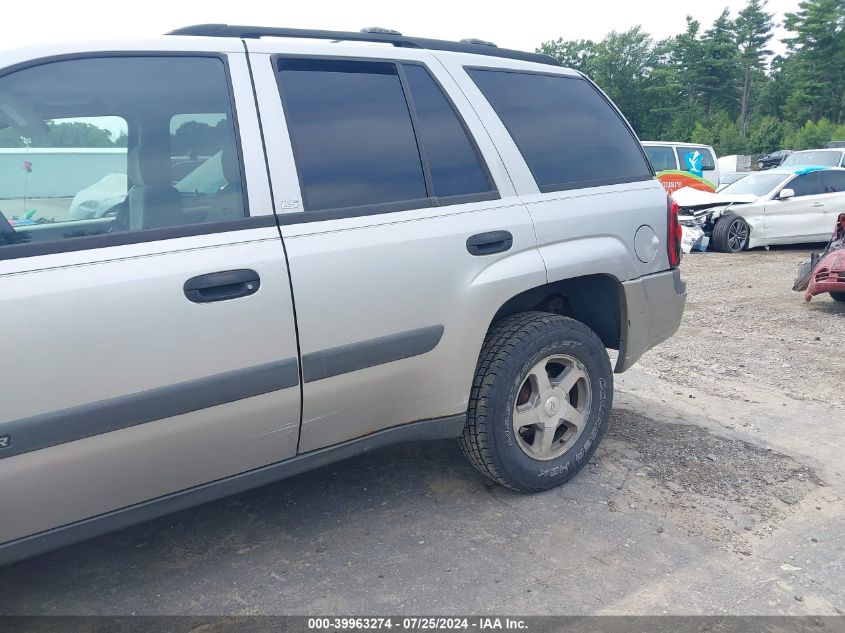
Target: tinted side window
{"points": [[806, 184], [661, 157], [454, 163], [833, 181], [567, 133], [687, 157], [88, 147], [352, 136]]}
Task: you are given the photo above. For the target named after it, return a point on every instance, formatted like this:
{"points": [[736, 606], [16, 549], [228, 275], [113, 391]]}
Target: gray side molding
{"points": [[377, 351], [76, 423], [439, 428]]}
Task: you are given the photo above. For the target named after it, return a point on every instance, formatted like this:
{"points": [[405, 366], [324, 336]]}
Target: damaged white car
{"points": [[786, 205]]}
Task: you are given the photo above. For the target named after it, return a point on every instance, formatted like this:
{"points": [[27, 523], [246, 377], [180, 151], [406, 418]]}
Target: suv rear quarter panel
{"points": [[579, 231]]}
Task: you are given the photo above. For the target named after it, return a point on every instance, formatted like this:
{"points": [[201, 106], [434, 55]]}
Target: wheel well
{"points": [[594, 300]]}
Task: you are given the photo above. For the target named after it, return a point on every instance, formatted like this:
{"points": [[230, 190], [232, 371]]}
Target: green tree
{"points": [[719, 65], [719, 85], [662, 94], [815, 134], [816, 61], [687, 56], [719, 130], [575, 54], [62, 134], [766, 134], [753, 28], [195, 138], [621, 64]]}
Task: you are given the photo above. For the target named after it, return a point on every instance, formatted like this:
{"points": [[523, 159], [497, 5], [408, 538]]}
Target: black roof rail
{"points": [[395, 39]]}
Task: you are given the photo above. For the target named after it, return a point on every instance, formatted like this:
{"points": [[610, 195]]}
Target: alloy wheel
{"points": [[552, 407], [737, 235]]}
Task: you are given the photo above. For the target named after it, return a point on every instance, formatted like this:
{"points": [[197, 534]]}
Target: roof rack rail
{"points": [[396, 39]]}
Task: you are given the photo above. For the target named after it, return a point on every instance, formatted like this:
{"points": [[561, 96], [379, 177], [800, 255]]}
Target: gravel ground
{"points": [[717, 490], [743, 322]]}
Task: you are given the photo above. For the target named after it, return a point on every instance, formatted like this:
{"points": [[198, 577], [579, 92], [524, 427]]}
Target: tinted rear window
{"points": [[833, 181], [568, 134], [352, 136], [455, 166], [806, 184]]}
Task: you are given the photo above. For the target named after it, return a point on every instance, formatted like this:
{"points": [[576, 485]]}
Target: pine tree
{"points": [[753, 28], [816, 61], [719, 65], [621, 65], [575, 54]]}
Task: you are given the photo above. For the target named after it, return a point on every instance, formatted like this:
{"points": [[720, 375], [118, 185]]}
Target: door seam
{"points": [[281, 239]]}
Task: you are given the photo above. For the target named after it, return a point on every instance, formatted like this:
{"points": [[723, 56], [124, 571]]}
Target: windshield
{"points": [[825, 159], [757, 184]]}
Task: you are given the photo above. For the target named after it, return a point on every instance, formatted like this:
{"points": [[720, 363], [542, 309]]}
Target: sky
{"points": [[520, 25]]}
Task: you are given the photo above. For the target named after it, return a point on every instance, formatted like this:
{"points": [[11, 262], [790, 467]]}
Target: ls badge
{"points": [[5, 441]]}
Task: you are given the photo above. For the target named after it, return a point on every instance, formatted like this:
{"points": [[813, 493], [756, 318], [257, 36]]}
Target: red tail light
{"points": [[674, 235]]}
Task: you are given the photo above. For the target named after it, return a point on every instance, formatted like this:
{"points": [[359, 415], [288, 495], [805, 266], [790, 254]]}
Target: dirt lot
{"points": [[718, 489]]}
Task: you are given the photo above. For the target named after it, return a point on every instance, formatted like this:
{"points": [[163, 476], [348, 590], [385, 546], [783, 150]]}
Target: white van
{"points": [[667, 156]]}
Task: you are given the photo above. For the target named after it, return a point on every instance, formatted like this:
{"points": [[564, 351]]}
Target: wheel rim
{"points": [[737, 235], [552, 407]]}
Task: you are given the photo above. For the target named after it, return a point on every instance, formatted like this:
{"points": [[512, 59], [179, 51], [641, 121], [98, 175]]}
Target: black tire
{"points": [[730, 235], [838, 296], [512, 347]]}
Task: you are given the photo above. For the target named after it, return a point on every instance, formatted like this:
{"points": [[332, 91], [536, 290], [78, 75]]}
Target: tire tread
{"points": [[719, 237], [502, 340]]}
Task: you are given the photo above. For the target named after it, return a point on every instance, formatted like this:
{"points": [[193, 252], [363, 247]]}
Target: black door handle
{"points": [[490, 243], [228, 284]]}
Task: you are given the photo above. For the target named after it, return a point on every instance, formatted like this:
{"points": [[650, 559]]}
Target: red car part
{"points": [[828, 274]]}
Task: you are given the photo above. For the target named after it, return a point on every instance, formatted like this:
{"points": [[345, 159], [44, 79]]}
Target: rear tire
{"points": [[540, 400], [838, 296], [730, 235]]}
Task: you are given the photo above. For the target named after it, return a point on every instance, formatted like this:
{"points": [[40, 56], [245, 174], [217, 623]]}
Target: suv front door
{"points": [[149, 343]]}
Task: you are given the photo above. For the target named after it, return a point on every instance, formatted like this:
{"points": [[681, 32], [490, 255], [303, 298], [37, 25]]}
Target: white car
{"points": [[828, 157], [729, 179], [107, 195], [786, 205]]}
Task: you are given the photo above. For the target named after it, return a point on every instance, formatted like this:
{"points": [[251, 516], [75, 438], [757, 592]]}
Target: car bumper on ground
{"points": [[828, 276], [653, 306]]}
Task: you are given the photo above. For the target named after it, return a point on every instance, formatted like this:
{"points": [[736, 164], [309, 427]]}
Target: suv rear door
{"points": [[149, 343], [401, 226]]}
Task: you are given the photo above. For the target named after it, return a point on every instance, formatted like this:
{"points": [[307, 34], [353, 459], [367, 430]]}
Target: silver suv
{"points": [[409, 239]]}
